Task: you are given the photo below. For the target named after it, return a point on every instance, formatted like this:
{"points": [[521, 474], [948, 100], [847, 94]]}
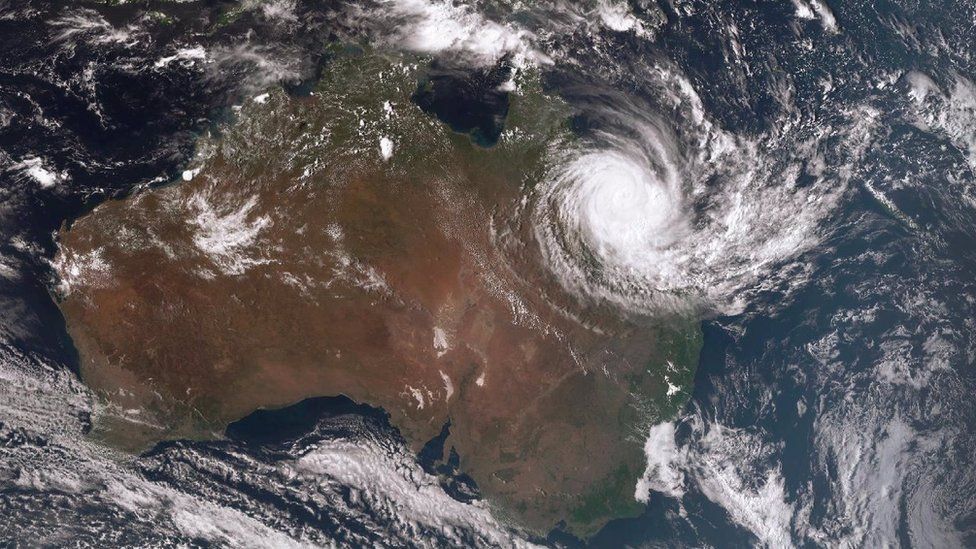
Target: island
{"points": [[346, 242]]}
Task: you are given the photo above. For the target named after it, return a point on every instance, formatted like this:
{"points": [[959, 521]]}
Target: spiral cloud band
{"points": [[655, 219]]}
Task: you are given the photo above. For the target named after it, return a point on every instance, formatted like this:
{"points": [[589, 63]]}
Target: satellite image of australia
{"points": [[487, 273]]}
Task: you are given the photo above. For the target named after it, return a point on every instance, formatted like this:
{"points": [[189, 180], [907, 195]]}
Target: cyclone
{"points": [[657, 220], [625, 203]]}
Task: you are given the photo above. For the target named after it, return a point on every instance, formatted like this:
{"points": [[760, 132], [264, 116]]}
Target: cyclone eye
{"points": [[625, 209]]}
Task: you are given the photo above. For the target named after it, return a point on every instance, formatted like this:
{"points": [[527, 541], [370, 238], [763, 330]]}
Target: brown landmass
{"points": [[298, 262]]}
